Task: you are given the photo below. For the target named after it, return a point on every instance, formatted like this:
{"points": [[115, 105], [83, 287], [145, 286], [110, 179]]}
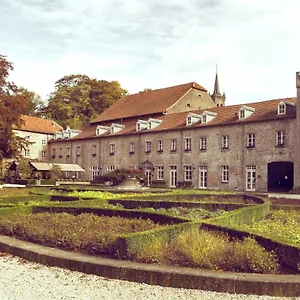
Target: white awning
{"points": [[39, 166]]}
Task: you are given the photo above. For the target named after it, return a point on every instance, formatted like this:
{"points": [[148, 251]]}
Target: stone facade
{"points": [[226, 152]]}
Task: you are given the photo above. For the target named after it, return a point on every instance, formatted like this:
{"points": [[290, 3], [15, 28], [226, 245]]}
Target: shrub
{"points": [[184, 184], [194, 248]]}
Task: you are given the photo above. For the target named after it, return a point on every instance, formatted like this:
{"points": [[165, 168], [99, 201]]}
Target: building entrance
{"points": [[280, 176]]}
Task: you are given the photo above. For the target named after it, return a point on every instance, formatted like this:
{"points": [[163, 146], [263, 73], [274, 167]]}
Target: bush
{"points": [[184, 184], [200, 248]]}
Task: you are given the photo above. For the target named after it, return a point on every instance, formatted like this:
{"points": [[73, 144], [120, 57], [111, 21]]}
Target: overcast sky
{"points": [[156, 43]]}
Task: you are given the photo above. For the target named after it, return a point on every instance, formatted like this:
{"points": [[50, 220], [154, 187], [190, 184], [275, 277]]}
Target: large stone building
{"points": [[183, 133]]}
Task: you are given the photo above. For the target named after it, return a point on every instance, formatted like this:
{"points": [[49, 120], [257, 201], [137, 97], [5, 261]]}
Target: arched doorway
{"points": [[280, 176]]}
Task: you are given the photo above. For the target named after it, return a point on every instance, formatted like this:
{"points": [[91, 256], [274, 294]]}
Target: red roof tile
{"points": [[39, 125], [265, 110], [146, 103]]}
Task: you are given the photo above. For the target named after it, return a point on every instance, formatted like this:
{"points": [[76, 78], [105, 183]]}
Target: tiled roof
{"points": [[265, 110], [146, 103], [39, 125]]}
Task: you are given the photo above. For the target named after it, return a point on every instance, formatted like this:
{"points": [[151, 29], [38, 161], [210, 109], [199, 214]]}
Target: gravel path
{"points": [[20, 279]]}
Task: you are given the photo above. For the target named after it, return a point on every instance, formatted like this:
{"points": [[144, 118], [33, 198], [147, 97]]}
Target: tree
{"points": [[13, 103], [77, 99], [35, 103], [146, 90]]}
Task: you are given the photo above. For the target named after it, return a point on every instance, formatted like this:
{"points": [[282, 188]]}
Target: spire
{"points": [[217, 97], [217, 86]]}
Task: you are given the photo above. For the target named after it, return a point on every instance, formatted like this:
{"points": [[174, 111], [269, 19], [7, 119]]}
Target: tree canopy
{"points": [[77, 99], [14, 101]]}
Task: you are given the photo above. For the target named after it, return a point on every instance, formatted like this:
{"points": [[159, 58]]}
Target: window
{"points": [[242, 114], [160, 146], [53, 152], [43, 154], [110, 168], [27, 138], [251, 140], [160, 172], [204, 119], [203, 177], [281, 109], [203, 143], [225, 174], [26, 153], [94, 150], [147, 146], [173, 145], [112, 149], [187, 173], [78, 150], [280, 138], [188, 120], [44, 142], [131, 147], [60, 152], [187, 144], [68, 151], [95, 170], [225, 142]]}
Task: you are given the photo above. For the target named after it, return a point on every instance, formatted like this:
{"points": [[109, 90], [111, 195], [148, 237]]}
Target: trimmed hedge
{"points": [[23, 199], [61, 198], [155, 217], [129, 244], [156, 204]]}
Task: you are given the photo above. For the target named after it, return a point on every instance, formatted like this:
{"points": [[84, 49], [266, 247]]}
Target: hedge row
{"points": [[157, 218], [61, 198], [34, 181], [129, 244], [23, 199], [133, 204]]}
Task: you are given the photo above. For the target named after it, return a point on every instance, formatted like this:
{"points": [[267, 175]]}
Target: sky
{"points": [[156, 44]]}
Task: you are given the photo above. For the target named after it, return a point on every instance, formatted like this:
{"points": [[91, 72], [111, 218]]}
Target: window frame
{"points": [[225, 174], [251, 140], [131, 147], [147, 146], [112, 149], [160, 172], [281, 110], [188, 172], [173, 145], [280, 138], [187, 144], [224, 142], [160, 146], [203, 143]]}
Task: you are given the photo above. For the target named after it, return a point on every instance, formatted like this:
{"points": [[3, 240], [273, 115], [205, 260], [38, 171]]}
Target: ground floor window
{"points": [[187, 173], [95, 171], [250, 178], [202, 177], [160, 172], [225, 174]]}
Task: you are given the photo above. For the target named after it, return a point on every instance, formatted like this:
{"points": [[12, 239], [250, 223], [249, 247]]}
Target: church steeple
{"points": [[218, 98]]}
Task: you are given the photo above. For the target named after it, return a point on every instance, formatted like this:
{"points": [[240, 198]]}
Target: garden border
{"points": [[178, 277]]}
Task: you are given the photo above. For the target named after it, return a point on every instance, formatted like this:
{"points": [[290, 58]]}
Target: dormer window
{"points": [[114, 128], [281, 110], [208, 116], [245, 112], [141, 125], [152, 123], [192, 118], [101, 129], [58, 134]]}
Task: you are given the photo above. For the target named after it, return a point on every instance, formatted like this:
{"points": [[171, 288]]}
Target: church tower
{"points": [[218, 98]]}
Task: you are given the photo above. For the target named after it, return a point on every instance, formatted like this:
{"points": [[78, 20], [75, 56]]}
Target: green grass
{"points": [[279, 225]]}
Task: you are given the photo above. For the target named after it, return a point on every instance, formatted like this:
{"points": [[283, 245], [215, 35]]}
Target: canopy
{"points": [[39, 166]]}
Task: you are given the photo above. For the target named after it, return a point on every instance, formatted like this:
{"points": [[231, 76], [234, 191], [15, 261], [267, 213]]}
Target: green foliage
{"points": [[86, 232], [78, 99], [13, 103], [55, 172], [279, 225], [200, 248], [119, 175]]}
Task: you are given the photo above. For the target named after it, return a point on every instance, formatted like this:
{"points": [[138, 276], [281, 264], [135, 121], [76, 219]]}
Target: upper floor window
{"points": [[245, 111], [173, 146], [131, 147], [192, 118], [53, 152], [26, 153], [160, 172], [250, 140], [148, 146], [225, 142], [280, 138], [44, 154], [112, 149], [110, 168], [44, 142], [60, 152], [187, 144], [68, 151], [242, 114], [187, 173], [160, 146], [281, 108], [203, 143], [94, 150], [225, 174], [78, 150]]}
